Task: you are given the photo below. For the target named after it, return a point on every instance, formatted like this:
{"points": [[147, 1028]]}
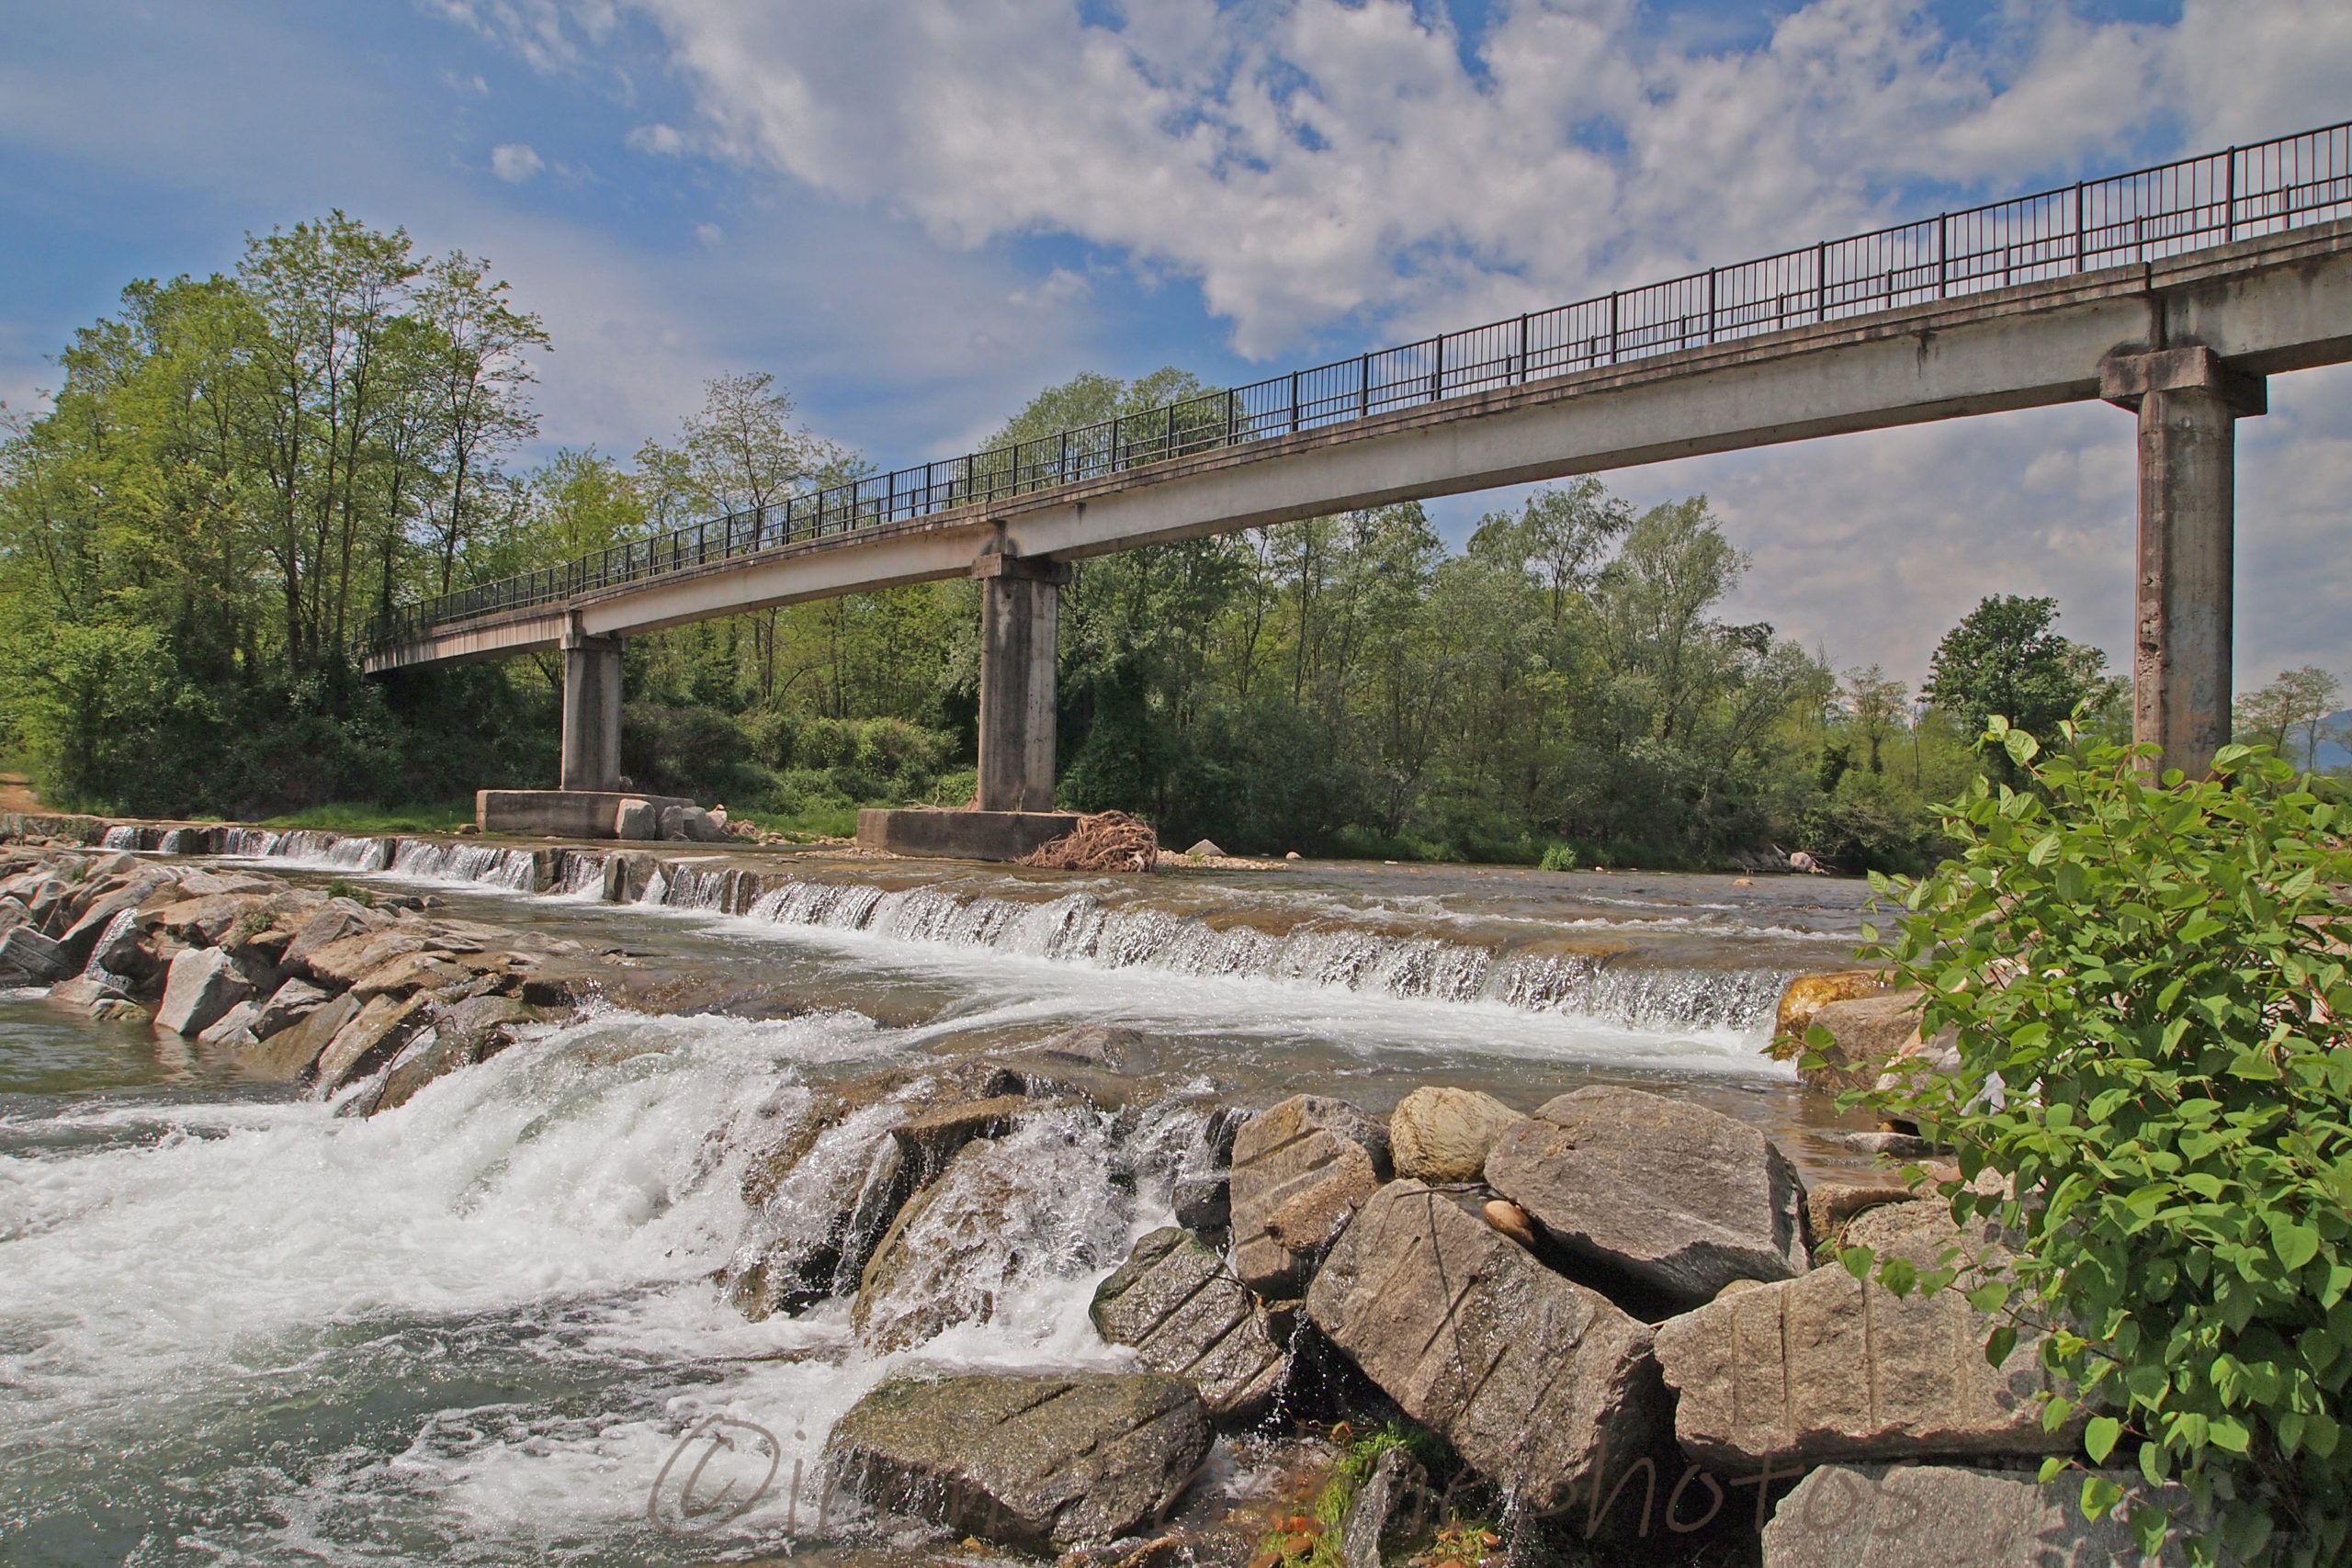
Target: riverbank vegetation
{"points": [[237, 472]]}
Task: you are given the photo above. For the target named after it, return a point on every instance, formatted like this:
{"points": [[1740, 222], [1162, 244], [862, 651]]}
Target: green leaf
{"points": [[1857, 1261], [1997, 1347], [2100, 1437]]}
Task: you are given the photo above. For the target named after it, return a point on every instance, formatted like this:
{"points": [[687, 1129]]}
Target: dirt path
{"points": [[17, 794]]}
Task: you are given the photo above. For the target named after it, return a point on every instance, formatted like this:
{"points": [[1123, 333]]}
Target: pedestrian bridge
{"points": [[2172, 291]]}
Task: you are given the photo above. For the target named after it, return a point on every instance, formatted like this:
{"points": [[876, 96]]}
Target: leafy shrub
{"points": [[2158, 973]]}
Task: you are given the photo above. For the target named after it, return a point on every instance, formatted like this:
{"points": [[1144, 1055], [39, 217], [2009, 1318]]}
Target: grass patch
{"points": [[805, 822], [356, 817], [1309, 1536]]}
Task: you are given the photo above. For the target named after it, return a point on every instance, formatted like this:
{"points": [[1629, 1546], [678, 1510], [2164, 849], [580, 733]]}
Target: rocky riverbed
{"points": [[1041, 1292]]}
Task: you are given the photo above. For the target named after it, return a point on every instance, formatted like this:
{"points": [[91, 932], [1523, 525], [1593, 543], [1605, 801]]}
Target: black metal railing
{"points": [[2140, 217]]}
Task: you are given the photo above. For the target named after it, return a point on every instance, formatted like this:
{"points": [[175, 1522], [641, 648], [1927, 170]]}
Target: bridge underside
{"points": [[2184, 343]]}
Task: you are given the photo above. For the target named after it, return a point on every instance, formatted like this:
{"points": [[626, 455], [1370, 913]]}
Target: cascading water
{"points": [[475, 1327], [122, 837]]}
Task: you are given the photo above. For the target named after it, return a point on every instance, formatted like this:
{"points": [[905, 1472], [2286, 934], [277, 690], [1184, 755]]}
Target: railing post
{"points": [[1943, 255], [1116, 463], [971, 481], [1711, 306], [1521, 369], [1294, 402], [2230, 194], [1437, 368], [1167, 447], [1364, 386], [1062, 466], [2082, 232], [1613, 326], [1230, 413], [1821, 280]]}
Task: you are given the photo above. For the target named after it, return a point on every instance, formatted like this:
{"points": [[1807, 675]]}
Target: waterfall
{"points": [[422, 860], [1082, 929], [122, 837]]}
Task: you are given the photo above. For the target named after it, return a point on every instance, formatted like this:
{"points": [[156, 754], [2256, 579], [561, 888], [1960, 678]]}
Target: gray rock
{"points": [[118, 1009], [1392, 1503], [340, 919], [1204, 1200], [1042, 1462], [700, 826], [1536, 1381], [205, 983], [375, 1033], [28, 958], [1186, 1315], [1829, 1367], [81, 938], [234, 1027], [1670, 1195], [464, 1035], [1300, 1169], [289, 1003], [1876, 1515], [636, 819], [1205, 850], [13, 913], [1443, 1134], [290, 1053], [85, 991]]}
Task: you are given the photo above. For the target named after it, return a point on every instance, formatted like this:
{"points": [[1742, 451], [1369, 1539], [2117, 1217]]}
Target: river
{"points": [[237, 1328]]}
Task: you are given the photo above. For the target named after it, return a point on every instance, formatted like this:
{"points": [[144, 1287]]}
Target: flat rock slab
{"points": [[1187, 1314], [1829, 1367], [1847, 1515], [1536, 1381], [1043, 1462], [1670, 1195], [1300, 1169]]}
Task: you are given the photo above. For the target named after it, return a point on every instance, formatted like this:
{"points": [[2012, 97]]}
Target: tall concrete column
{"points": [[2188, 401], [592, 712], [1019, 628]]}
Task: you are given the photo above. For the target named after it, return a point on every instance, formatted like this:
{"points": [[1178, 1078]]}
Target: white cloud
{"points": [[1314, 163], [666, 140], [515, 162], [711, 235]]}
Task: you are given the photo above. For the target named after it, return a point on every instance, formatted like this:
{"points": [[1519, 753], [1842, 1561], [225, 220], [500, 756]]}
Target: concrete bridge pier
{"points": [[592, 712], [2188, 401], [1020, 640]]}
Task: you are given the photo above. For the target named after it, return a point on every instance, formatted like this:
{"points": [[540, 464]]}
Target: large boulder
{"points": [[637, 820], [1539, 1383], [464, 1035], [28, 958], [1443, 1134], [375, 1033], [1808, 993], [1185, 1314], [1877, 1515], [289, 1052], [1827, 1366], [1671, 1196], [1300, 1169], [204, 983], [1866, 1032], [1043, 1462]]}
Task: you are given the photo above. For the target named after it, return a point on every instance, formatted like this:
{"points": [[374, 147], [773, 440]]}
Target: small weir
{"points": [[1624, 971]]}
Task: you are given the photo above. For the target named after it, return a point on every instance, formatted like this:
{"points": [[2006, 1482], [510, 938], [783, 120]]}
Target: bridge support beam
{"points": [[2188, 401], [592, 712], [1020, 627]]}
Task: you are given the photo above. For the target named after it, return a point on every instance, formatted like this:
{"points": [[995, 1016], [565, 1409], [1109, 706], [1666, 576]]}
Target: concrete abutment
{"points": [[1020, 641]]}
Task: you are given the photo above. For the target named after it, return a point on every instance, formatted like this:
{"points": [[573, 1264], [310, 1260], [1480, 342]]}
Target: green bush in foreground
{"points": [[2157, 974]]}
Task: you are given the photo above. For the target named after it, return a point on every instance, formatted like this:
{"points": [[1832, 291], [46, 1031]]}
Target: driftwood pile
{"points": [[1103, 840]]}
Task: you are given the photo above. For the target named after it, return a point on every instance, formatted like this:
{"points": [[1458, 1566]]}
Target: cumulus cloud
{"points": [[515, 162], [711, 235], [1314, 164], [666, 140]]}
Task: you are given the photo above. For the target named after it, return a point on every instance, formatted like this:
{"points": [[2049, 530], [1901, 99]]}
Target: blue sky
{"points": [[918, 212]]}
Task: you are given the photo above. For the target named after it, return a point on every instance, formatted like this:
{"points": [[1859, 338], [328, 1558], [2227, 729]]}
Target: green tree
{"points": [[2005, 659]]}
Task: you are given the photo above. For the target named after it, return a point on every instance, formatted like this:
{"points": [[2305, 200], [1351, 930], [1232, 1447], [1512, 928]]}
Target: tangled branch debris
{"points": [[1104, 841]]}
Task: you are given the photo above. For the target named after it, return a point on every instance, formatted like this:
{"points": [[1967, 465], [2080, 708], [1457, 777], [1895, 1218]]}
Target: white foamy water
{"points": [[473, 1328]]}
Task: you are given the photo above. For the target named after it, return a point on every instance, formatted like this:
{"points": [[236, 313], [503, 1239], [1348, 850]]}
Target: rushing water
{"points": [[235, 1326]]}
